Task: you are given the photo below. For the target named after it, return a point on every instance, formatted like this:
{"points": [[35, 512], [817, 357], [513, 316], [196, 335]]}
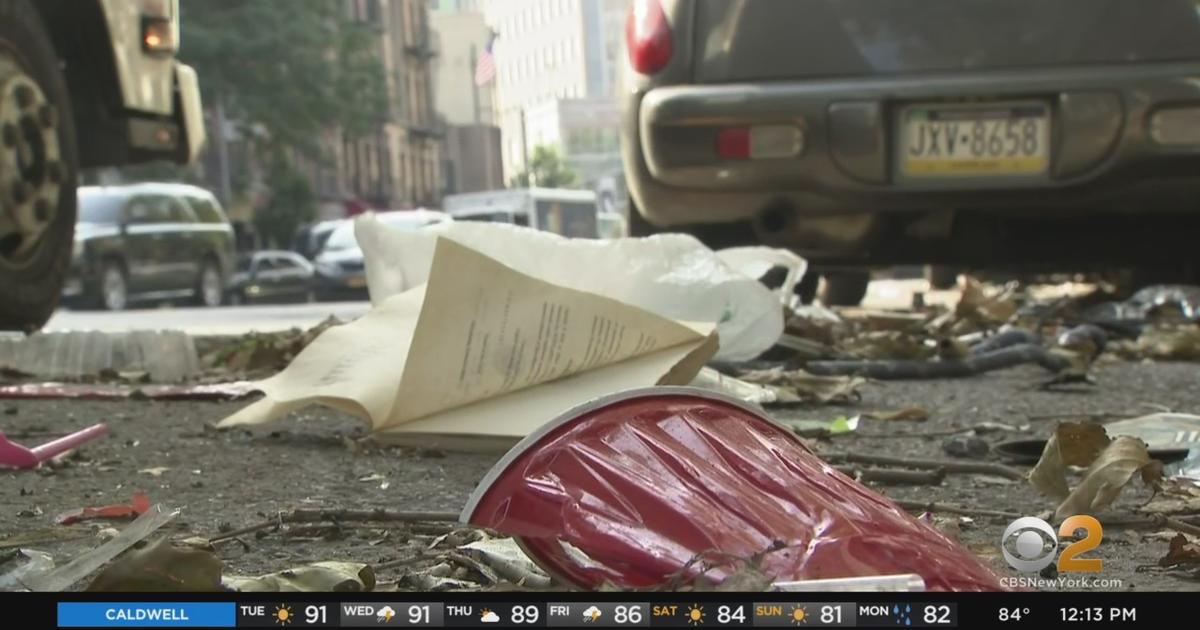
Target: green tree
{"points": [[285, 70], [548, 170], [292, 204]]}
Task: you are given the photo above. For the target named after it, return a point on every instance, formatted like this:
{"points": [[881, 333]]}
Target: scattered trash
{"points": [[505, 556], [708, 378], [139, 506], [671, 275], [808, 387], [499, 352], [1169, 434], [822, 428], [32, 563], [648, 516], [984, 309], [161, 567], [157, 471], [326, 577], [41, 536], [83, 565], [14, 455], [1183, 551], [966, 446], [757, 261], [259, 353], [1110, 463], [80, 391], [1170, 343]]}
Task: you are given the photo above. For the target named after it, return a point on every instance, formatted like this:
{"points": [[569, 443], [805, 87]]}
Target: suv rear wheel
{"points": [[209, 286], [114, 289], [37, 171]]}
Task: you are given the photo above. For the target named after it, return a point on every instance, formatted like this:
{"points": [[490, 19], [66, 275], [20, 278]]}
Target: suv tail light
{"points": [[648, 36]]}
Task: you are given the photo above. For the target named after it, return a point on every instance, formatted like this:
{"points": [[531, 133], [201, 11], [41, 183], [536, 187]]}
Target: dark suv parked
{"points": [[149, 242]]}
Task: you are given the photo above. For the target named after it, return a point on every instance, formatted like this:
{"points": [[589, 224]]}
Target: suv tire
{"points": [[113, 289], [31, 280], [210, 289]]}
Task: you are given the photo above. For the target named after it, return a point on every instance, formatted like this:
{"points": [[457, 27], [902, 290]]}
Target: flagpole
{"points": [[474, 84]]}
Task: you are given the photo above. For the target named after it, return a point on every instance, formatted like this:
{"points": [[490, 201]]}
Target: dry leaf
{"points": [[1073, 444], [161, 567], [1183, 551], [1105, 478], [908, 414], [978, 306]]}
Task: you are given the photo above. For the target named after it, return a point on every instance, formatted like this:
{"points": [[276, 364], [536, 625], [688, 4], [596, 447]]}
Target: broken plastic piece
{"points": [[14, 455], [632, 488], [140, 505]]}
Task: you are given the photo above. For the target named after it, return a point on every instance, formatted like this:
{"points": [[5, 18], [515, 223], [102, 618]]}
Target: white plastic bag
{"points": [[672, 275]]}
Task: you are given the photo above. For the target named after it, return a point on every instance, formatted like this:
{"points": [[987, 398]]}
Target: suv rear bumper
{"points": [[1102, 155]]}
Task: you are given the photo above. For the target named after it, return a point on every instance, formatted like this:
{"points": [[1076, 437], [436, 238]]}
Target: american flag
{"points": [[485, 68]]}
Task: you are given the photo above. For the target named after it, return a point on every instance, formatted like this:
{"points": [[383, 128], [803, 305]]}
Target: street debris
{"points": [[505, 557], [647, 517], [1110, 463], [140, 505], [673, 276], [1183, 552], [318, 577], [808, 387], [83, 565], [480, 357], [13, 455], [260, 354], [159, 567], [966, 446], [30, 562]]}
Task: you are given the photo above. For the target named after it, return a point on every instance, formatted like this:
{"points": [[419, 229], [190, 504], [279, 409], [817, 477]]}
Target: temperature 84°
{"points": [[1012, 614]]}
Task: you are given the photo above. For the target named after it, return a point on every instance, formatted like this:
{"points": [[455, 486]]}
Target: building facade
{"points": [[556, 64], [398, 164]]}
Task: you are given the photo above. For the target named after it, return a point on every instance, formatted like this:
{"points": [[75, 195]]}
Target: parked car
{"points": [[341, 272], [310, 239], [147, 242], [1062, 135], [272, 276]]}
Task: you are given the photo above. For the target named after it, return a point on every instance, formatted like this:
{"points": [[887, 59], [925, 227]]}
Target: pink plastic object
{"points": [[630, 488], [14, 455]]}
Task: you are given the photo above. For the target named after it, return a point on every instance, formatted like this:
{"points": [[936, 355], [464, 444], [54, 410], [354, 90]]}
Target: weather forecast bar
{"points": [[697, 613]]}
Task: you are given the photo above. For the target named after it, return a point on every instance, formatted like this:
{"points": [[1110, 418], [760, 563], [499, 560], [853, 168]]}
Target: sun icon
{"points": [[283, 614], [799, 615], [695, 614]]}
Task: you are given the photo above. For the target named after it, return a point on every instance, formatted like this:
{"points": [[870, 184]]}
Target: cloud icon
{"points": [[489, 617], [591, 614], [386, 613]]}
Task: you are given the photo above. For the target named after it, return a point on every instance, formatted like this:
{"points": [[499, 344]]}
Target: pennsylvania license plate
{"points": [[994, 140]]}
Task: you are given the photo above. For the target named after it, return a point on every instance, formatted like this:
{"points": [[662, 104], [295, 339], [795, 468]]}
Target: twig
{"points": [[952, 509], [400, 562], [886, 476], [317, 516], [982, 468], [243, 531], [1176, 524], [336, 516]]}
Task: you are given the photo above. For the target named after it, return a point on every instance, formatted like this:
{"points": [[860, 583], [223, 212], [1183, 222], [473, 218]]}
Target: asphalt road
{"points": [[232, 320]]}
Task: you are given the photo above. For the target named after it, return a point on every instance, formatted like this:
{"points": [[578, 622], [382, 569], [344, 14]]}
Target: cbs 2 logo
{"points": [[1036, 543]]}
